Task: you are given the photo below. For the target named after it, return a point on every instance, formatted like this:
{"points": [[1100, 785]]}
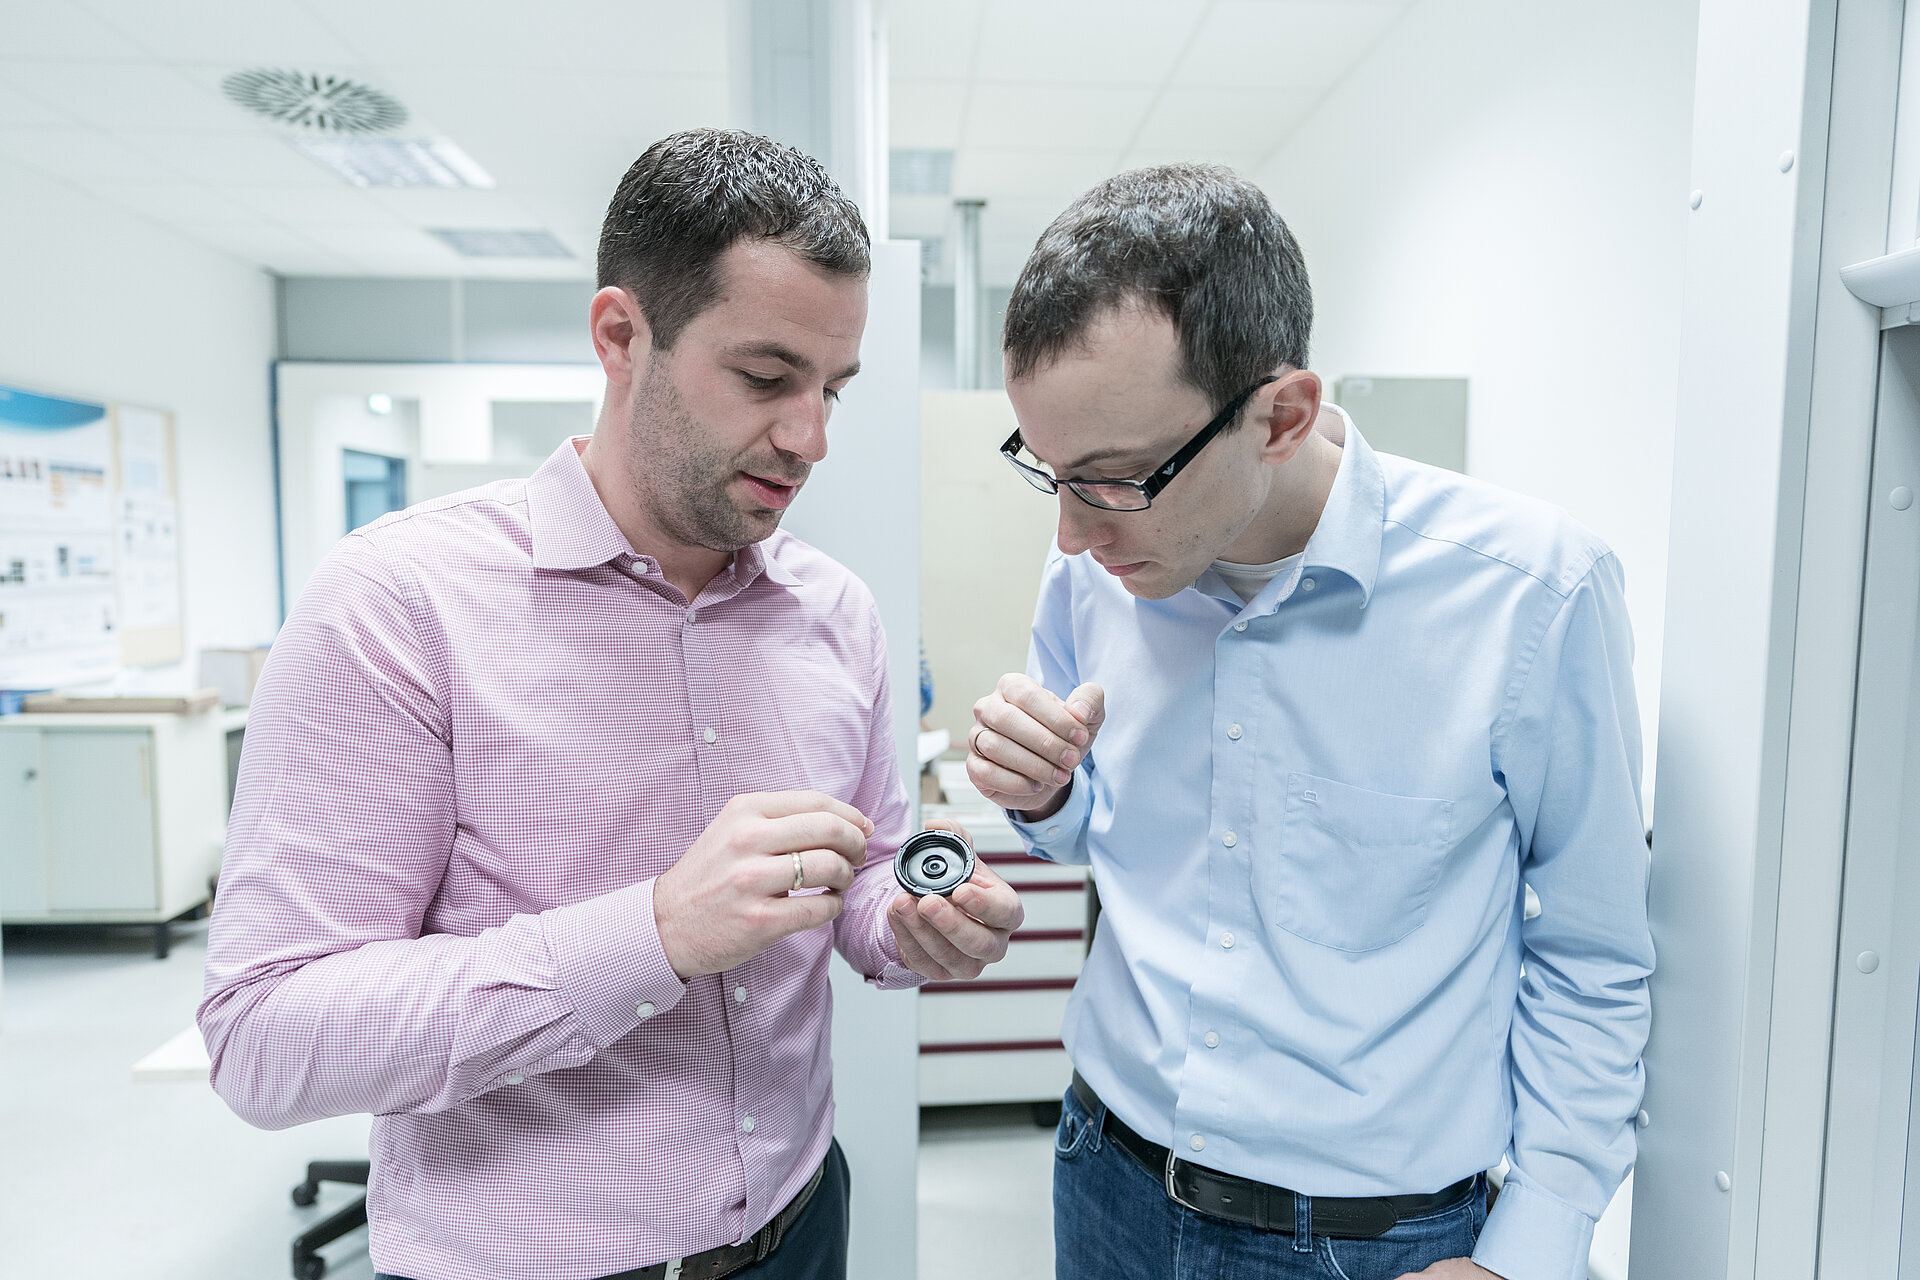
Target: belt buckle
{"points": [[1172, 1193], [673, 1269]]}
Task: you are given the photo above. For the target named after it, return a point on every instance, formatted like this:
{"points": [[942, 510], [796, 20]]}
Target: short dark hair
{"points": [[1196, 242], [691, 195]]}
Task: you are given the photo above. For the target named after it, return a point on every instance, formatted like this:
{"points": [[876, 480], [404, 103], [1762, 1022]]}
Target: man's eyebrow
{"points": [[787, 356], [1101, 455]]}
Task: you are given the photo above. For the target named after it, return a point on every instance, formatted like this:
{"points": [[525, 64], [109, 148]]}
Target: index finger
{"points": [[1047, 710], [787, 804]]}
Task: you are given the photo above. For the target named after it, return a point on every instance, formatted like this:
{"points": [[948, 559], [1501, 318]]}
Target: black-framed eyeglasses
{"points": [[1129, 495]]}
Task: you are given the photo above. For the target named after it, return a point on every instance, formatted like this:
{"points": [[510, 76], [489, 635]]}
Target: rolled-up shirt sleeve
{"points": [[1570, 755], [321, 996]]}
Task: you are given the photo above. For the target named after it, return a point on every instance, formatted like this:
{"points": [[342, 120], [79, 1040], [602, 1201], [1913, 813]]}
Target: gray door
{"points": [[23, 868], [99, 789]]}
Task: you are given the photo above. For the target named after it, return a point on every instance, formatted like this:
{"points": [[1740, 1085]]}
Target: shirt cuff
{"points": [[1058, 838], [894, 975], [609, 961], [1532, 1236]]}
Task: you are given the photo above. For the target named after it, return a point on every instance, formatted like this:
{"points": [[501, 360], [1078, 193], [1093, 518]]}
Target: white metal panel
{"points": [[1763, 87], [1054, 909], [1026, 959], [1879, 962]]}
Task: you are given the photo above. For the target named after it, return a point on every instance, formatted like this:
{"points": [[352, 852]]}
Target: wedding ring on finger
{"points": [[799, 874]]}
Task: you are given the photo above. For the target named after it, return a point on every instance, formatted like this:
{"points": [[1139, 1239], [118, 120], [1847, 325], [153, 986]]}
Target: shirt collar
{"points": [[1348, 536], [572, 529]]}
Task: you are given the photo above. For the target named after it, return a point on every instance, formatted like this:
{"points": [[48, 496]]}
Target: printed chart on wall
{"points": [[59, 617]]}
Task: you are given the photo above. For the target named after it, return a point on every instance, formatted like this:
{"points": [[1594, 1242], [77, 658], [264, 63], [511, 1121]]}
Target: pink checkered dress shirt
{"points": [[486, 727]]}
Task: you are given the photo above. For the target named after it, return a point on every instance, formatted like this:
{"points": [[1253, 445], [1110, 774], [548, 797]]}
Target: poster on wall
{"points": [[149, 543], [59, 616]]}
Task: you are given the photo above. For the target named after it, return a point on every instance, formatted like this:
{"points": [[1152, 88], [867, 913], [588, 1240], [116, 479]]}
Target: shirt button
{"points": [[1229, 839], [1213, 1039], [691, 615], [1239, 626], [1233, 731], [516, 1078], [739, 995], [1308, 584], [646, 1009], [709, 735], [1053, 831], [1197, 1142], [1226, 941], [746, 1125]]}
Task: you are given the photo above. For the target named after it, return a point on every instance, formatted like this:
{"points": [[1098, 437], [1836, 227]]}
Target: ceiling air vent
{"points": [[920, 171], [502, 244], [309, 100]]}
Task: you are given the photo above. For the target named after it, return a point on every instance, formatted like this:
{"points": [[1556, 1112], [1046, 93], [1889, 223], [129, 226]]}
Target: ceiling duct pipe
{"points": [[966, 296]]}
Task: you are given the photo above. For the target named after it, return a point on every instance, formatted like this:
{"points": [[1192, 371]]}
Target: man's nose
{"points": [[802, 427], [1081, 526]]}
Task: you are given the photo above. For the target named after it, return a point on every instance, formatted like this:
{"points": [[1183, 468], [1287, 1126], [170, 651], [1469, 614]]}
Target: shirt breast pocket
{"points": [[1356, 869]]}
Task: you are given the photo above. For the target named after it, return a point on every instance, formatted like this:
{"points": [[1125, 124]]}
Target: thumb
{"points": [[1089, 705]]}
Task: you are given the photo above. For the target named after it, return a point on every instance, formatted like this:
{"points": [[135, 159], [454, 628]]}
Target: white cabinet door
{"points": [[23, 866], [99, 793]]}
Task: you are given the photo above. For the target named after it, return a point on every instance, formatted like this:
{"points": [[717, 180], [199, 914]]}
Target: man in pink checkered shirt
{"points": [[558, 793]]}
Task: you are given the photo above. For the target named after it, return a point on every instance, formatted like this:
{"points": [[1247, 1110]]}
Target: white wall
{"points": [[103, 305], [1498, 192]]}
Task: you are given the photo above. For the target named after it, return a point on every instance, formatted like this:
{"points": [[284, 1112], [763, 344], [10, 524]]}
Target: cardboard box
{"points": [[233, 672]]}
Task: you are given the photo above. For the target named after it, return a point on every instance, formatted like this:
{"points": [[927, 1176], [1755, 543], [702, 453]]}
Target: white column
{"points": [[966, 295]]}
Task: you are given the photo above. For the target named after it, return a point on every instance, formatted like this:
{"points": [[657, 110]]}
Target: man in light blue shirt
{"points": [[1316, 716]]}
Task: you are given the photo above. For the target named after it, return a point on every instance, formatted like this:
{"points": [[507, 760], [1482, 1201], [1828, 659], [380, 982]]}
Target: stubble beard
{"points": [[684, 480]]}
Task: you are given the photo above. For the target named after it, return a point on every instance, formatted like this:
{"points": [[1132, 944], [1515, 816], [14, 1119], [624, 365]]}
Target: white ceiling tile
{"points": [[1083, 42], [1241, 162], [19, 110], [1238, 120], [81, 155], [627, 36], [408, 243], [1298, 44], [925, 113], [1006, 115], [1038, 175], [128, 97], [257, 241], [170, 202], [275, 32], [932, 39], [261, 159], [340, 205], [36, 29], [455, 209]]}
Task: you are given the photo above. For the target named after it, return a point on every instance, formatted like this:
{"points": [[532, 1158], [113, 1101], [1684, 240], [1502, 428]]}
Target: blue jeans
{"points": [[815, 1246], [1112, 1220]]}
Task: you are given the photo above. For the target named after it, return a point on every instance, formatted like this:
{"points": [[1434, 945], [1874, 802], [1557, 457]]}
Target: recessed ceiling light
{"points": [[502, 244], [310, 100], [396, 162]]}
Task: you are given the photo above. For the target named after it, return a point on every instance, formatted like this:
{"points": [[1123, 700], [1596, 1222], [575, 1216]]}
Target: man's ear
{"points": [[1285, 412], [621, 336]]}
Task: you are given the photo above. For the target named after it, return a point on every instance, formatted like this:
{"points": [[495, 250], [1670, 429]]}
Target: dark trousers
{"points": [[815, 1246]]}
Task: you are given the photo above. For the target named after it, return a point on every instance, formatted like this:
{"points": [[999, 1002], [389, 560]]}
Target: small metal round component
{"points": [[933, 862]]}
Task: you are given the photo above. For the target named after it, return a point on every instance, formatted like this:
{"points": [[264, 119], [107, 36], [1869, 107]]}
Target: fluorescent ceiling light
{"points": [[396, 162], [502, 244]]}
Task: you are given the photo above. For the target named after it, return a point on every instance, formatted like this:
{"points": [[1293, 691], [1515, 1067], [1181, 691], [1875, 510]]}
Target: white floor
{"points": [[102, 1177]]}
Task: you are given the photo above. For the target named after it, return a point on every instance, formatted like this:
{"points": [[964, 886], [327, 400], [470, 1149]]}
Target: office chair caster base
{"points": [[305, 1194]]}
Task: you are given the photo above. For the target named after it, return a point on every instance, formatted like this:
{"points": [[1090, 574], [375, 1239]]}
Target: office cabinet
{"points": [[996, 1038], [110, 818]]}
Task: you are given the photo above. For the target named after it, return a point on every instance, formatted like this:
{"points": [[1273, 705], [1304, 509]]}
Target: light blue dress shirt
{"points": [[1311, 819]]}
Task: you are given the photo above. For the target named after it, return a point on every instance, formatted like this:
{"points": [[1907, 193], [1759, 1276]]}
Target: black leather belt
{"points": [[726, 1259], [1222, 1195]]}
